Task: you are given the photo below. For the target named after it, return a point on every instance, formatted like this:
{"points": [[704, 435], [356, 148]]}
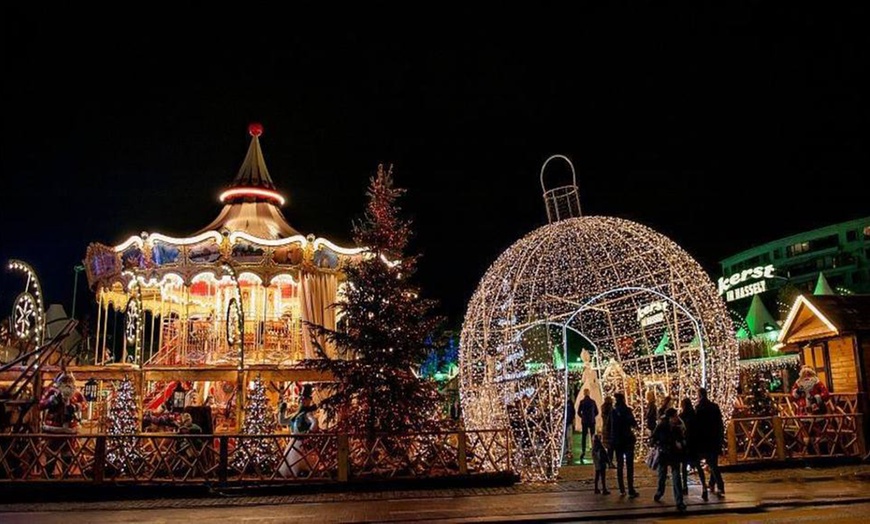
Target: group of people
{"points": [[681, 439]]}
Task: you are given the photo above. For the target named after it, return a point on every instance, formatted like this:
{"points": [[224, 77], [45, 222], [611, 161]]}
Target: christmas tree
{"points": [[259, 420], [761, 404], [123, 420], [388, 333]]}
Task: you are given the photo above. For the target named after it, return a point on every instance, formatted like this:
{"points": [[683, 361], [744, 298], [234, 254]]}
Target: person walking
{"points": [[570, 415], [691, 456], [588, 411], [622, 441], [666, 405], [606, 410], [709, 437], [670, 439], [651, 415], [600, 460]]}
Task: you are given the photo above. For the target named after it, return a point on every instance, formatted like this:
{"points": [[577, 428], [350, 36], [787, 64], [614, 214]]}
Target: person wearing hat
{"points": [[62, 403], [670, 438], [810, 393], [296, 458]]}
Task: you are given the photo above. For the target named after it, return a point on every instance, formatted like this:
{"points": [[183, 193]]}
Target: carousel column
{"points": [[241, 395], [265, 318], [185, 325], [99, 315], [151, 342], [162, 325], [105, 333], [140, 397]]}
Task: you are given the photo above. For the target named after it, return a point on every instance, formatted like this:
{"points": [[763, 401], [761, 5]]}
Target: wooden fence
{"points": [[251, 459], [790, 434]]}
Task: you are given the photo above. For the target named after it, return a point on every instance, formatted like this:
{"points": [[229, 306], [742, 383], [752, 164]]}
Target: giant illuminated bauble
{"points": [[640, 305]]}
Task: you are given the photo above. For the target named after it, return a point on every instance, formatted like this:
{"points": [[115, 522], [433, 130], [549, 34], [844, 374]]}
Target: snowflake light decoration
{"points": [[642, 306]]}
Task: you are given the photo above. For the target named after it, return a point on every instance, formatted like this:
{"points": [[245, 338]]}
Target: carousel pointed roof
{"points": [[254, 172], [252, 201]]}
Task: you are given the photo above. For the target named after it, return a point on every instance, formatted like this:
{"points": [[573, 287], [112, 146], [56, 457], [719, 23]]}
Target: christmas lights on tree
{"points": [[388, 332], [259, 420], [647, 310], [123, 420]]}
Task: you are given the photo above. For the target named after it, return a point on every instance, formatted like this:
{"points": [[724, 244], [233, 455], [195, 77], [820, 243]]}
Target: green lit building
{"points": [[829, 260]]}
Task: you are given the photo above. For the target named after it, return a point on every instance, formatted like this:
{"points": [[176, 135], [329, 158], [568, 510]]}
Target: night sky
{"points": [[722, 127]]}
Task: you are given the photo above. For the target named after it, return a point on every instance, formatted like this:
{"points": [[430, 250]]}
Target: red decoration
{"points": [[256, 129]]}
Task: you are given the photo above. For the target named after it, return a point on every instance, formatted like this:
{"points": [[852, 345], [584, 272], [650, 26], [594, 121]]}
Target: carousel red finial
{"points": [[256, 129]]}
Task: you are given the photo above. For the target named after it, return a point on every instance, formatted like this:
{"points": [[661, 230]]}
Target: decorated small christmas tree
{"points": [[389, 330], [122, 420], [761, 404], [259, 420]]}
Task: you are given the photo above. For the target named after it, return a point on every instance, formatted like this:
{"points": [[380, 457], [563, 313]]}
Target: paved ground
{"points": [[750, 496]]}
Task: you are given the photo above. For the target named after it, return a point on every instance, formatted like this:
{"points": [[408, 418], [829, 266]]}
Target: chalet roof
{"points": [[821, 316]]}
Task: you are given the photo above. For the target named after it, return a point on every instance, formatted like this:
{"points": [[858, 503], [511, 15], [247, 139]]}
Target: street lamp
{"points": [[178, 397], [91, 389], [78, 268]]}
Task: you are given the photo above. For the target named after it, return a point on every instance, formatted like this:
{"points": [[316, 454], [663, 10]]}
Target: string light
{"points": [[642, 305], [28, 311], [757, 365]]}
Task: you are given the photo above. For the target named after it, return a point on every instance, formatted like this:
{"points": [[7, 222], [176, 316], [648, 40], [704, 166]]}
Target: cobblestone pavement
{"points": [[570, 498]]}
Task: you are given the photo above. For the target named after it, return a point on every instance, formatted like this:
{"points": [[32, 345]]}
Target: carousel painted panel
{"points": [[289, 255], [165, 254], [245, 252], [102, 263], [205, 252]]}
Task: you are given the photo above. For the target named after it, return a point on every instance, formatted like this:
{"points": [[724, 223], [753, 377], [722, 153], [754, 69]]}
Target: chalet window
{"points": [[816, 357]]}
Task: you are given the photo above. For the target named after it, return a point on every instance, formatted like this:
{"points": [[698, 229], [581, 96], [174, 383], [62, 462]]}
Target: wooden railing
{"points": [[784, 403], [755, 439], [250, 459]]}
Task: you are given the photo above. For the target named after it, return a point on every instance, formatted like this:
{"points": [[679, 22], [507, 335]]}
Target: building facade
{"points": [[840, 252]]}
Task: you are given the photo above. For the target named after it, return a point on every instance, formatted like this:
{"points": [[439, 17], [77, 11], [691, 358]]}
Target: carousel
{"points": [[193, 320]]}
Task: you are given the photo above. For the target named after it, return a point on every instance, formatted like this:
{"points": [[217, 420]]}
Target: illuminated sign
{"points": [[732, 289], [652, 313]]}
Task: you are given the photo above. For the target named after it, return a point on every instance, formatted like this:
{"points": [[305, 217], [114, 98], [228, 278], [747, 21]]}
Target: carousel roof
{"points": [[252, 201]]}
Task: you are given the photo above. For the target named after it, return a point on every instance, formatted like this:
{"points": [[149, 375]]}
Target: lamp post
{"points": [[178, 397], [78, 268], [91, 387]]}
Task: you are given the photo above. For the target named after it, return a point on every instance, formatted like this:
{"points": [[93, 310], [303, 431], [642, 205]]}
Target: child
{"points": [[600, 460]]}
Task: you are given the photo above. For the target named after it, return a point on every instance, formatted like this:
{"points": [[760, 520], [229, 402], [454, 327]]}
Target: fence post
{"points": [[732, 443], [343, 457], [859, 433], [463, 460], [223, 466], [100, 459], [779, 435]]}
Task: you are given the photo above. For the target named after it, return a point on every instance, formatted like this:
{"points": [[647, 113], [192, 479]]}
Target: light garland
{"points": [[756, 365], [645, 308], [249, 192], [235, 329]]}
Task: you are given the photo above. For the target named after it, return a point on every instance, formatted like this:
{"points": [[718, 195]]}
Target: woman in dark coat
{"points": [[651, 416], [691, 456], [670, 437], [606, 409]]}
